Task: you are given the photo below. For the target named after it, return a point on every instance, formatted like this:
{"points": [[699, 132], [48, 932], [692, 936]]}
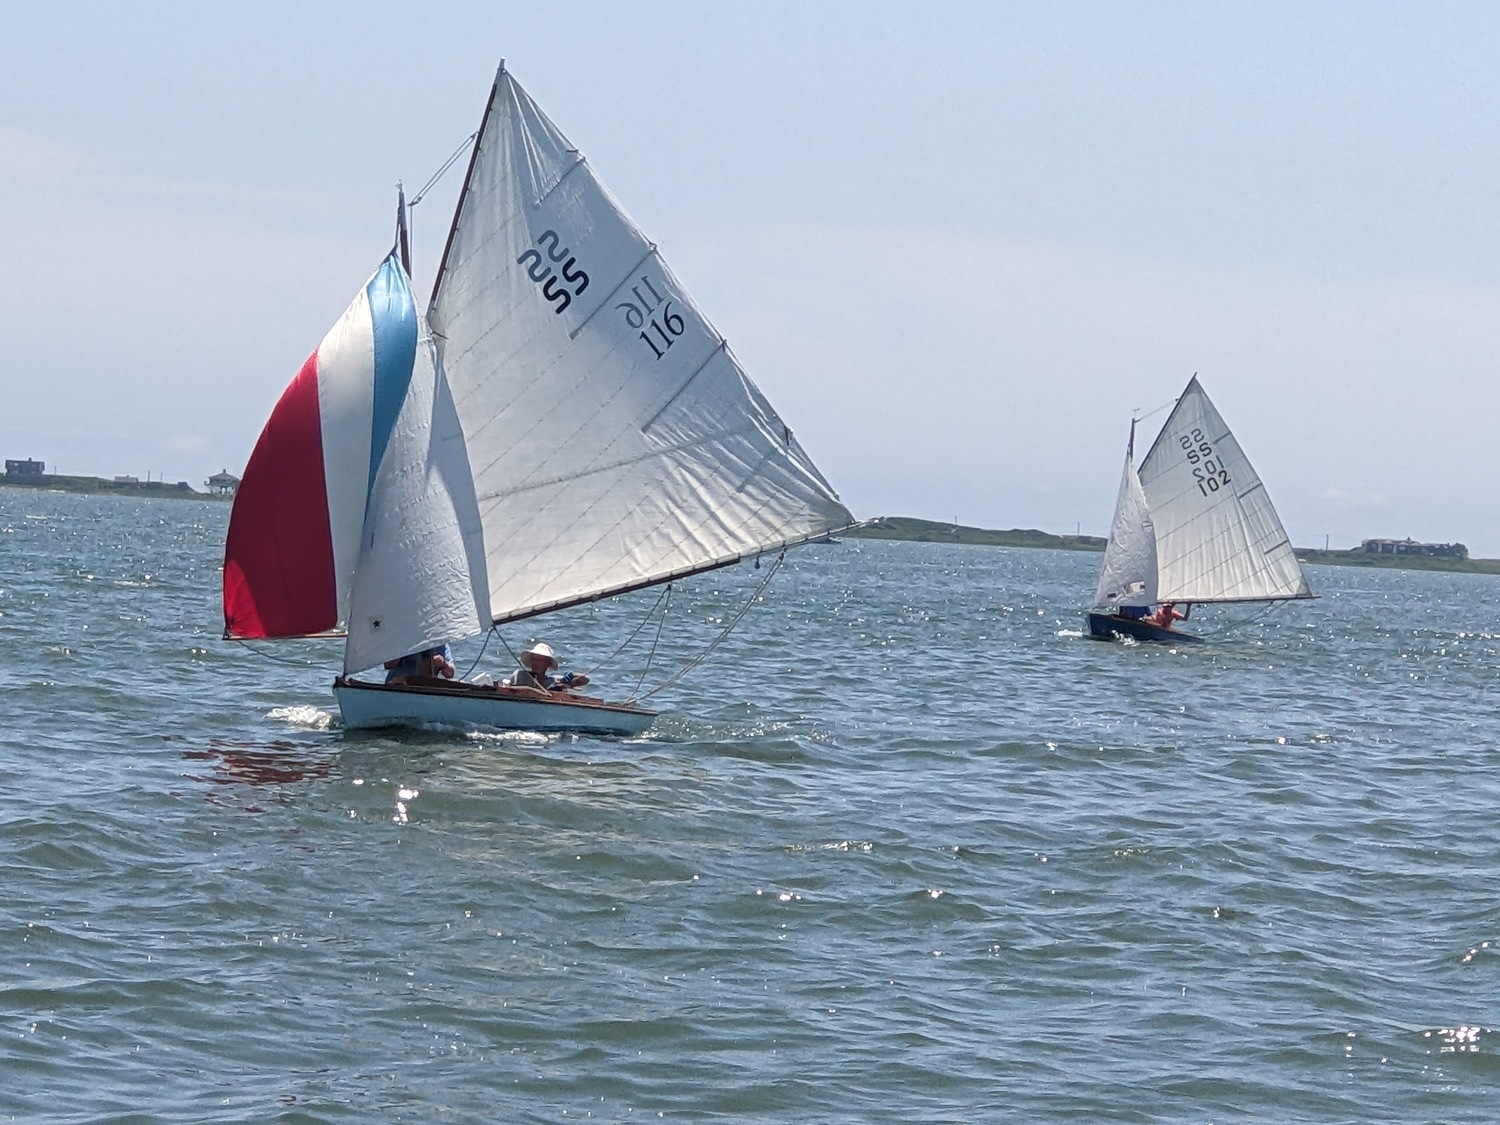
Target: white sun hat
{"points": [[541, 648]]}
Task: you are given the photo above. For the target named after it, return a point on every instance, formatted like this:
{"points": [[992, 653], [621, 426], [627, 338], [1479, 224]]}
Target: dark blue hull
{"points": [[1108, 626]]}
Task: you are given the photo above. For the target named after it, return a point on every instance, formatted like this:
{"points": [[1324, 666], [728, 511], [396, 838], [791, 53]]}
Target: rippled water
{"points": [[906, 847]]}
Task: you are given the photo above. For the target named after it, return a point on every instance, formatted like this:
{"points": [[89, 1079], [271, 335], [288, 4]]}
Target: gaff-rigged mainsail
{"points": [[1218, 538], [615, 442], [1128, 575]]}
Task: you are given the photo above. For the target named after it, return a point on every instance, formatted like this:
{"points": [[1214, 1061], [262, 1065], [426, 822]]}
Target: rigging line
{"points": [[273, 658], [515, 661], [666, 592], [1253, 619], [651, 656], [438, 175], [1154, 411], [477, 659], [723, 633]]}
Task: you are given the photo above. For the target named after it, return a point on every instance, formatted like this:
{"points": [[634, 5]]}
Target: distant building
{"points": [[28, 468], [127, 480], [1412, 547], [223, 483]]}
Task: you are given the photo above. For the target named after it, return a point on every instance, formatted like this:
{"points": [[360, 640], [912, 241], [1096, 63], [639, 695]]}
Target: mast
{"points": [[403, 240]]}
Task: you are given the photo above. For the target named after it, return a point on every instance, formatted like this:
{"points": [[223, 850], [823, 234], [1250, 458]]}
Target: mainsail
{"points": [[1218, 539], [615, 442], [1128, 575]]}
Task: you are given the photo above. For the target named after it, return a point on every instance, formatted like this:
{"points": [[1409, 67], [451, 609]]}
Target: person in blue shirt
{"points": [[427, 664]]}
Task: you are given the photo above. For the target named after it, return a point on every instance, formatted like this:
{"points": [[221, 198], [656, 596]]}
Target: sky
{"points": [[957, 245]]}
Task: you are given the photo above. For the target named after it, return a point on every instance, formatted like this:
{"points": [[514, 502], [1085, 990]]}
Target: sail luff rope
{"points": [[723, 633]]}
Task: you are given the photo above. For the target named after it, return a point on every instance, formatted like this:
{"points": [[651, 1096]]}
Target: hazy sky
{"points": [[955, 244]]}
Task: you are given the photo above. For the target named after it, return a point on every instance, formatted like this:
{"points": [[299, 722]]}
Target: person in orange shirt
{"points": [[1165, 616]]}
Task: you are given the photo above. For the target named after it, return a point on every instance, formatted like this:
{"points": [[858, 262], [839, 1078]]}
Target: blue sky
{"points": [[956, 244]]}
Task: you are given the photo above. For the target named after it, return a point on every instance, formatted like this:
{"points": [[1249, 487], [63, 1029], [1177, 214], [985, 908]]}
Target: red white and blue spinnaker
{"points": [[298, 516]]}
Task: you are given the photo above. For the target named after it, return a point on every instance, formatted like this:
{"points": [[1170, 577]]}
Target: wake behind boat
{"points": [[1193, 526], [562, 425]]}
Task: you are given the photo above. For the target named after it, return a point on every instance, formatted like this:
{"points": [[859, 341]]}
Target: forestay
{"points": [[1128, 575], [1218, 539], [614, 440]]}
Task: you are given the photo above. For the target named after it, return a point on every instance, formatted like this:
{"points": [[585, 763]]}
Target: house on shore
{"points": [[223, 483], [1412, 547]]}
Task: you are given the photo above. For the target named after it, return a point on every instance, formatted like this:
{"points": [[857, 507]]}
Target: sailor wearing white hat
{"points": [[537, 665]]}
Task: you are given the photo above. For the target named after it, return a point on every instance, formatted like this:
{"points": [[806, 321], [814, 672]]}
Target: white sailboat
{"points": [[1194, 526], [562, 425]]}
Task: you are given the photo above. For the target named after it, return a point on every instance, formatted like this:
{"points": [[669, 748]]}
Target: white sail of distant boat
{"points": [[1211, 526], [1218, 538], [562, 425], [1128, 576]]}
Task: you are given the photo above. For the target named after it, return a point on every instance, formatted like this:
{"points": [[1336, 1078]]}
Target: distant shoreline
{"points": [[899, 528], [50, 482], [908, 529]]}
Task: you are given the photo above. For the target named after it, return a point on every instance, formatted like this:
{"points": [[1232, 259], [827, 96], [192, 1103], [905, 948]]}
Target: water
{"points": [[906, 847]]}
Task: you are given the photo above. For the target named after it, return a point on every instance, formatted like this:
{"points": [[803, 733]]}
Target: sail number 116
{"points": [[656, 329]]}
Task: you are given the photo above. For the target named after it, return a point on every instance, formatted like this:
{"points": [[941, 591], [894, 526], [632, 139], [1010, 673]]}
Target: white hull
{"points": [[365, 705]]}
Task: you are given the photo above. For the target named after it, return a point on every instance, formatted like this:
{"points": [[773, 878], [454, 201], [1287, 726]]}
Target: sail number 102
{"points": [[651, 317], [1209, 472]]}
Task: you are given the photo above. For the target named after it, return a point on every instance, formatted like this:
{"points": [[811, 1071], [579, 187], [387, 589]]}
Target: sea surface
{"points": [[904, 847]]}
